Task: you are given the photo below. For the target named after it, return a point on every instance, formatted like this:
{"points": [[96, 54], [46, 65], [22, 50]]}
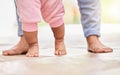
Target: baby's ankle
{"points": [[33, 44], [59, 40]]}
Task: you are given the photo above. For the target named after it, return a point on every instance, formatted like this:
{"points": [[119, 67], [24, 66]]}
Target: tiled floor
{"points": [[77, 62]]}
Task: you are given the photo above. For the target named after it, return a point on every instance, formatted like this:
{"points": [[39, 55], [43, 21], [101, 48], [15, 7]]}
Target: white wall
{"points": [[7, 17]]}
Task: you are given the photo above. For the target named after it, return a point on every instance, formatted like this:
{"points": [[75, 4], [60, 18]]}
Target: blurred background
{"points": [[110, 11], [110, 14]]}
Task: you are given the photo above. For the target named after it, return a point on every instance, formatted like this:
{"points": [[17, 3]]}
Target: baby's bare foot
{"points": [[33, 51], [60, 48], [20, 48]]}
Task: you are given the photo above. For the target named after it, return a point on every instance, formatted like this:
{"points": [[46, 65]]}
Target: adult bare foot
{"points": [[20, 48], [33, 50], [95, 46]]}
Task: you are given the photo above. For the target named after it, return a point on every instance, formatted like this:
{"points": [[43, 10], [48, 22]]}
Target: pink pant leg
{"points": [[52, 12], [29, 13], [29, 27]]}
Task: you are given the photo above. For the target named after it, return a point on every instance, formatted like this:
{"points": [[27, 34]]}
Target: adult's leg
{"points": [[21, 46], [90, 18], [30, 34]]}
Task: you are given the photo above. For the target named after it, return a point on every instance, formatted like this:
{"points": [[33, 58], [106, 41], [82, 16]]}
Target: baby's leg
{"points": [[30, 34], [59, 40], [52, 12], [29, 13]]}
